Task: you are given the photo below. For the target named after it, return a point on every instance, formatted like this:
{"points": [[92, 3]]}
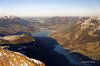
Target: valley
{"points": [[54, 41]]}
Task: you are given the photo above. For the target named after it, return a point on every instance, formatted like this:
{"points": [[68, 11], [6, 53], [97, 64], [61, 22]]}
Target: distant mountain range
{"points": [[11, 25]]}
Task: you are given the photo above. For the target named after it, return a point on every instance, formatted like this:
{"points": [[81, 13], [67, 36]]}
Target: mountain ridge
{"points": [[12, 25]]}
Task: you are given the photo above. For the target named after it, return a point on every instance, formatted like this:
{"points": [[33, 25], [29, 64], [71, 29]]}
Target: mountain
{"points": [[16, 39], [55, 21], [83, 36], [10, 58], [49, 52], [12, 24]]}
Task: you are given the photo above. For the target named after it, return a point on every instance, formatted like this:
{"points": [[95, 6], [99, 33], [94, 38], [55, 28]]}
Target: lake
{"points": [[44, 32]]}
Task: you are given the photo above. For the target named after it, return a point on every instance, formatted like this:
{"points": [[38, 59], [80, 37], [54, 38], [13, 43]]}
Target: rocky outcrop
{"points": [[16, 39], [9, 58]]}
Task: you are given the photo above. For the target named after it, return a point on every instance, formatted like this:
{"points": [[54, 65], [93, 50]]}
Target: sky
{"points": [[50, 7]]}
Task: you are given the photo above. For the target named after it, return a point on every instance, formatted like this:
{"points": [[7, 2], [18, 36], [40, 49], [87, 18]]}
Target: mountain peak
{"points": [[5, 17]]}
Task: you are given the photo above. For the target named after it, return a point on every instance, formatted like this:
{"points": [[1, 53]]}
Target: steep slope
{"points": [[9, 58], [82, 37], [11, 25], [80, 32]]}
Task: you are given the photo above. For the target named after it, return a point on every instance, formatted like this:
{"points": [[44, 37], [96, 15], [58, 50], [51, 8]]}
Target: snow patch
{"points": [[34, 60]]}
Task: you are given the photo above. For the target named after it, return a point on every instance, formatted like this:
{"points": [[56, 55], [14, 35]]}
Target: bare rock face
{"points": [[9, 58], [16, 39]]}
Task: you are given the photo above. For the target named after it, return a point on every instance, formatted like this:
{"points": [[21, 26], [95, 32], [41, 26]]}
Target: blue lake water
{"points": [[42, 33], [57, 48]]}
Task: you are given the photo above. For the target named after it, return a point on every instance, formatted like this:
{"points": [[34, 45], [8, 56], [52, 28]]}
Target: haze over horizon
{"points": [[50, 7]]}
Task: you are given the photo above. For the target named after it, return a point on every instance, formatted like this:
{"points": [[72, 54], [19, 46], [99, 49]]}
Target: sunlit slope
{"points": [[82, 36], [9, 58], [16, 39]]}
